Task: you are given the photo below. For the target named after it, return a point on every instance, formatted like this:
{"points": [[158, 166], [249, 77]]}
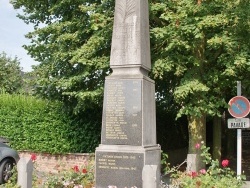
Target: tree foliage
{"points": [[10, 74], [204, 45], [73, 47], [199, 50]]}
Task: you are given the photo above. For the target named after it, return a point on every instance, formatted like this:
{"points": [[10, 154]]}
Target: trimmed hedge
{"points": [[44, 126]]}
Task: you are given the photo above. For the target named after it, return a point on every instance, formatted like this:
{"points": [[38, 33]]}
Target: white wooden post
{"points": [[25, 169]]}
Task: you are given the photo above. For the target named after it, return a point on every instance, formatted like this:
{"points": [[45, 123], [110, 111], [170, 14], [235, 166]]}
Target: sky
{"points": [[12, 31]]}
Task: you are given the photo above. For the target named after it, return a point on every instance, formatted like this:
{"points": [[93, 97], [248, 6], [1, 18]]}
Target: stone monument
{"points": [[128, 155]]}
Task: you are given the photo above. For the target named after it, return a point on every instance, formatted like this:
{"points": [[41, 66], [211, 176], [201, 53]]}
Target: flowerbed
{"points": [[75, 177], [215, 175]]}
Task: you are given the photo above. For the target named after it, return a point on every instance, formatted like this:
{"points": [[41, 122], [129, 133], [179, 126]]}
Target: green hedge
{"points": [[44, 126]]}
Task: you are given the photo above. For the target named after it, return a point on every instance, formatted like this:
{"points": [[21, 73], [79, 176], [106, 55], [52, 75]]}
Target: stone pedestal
{"points": [[128, 141], [122, 166]]}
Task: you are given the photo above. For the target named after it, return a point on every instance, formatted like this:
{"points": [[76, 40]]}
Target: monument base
{"points": [[122, 166]]}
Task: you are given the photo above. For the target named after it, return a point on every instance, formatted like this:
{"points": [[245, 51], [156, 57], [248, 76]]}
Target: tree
{"points": [[199, 50], [10, 74], [204, 46], [73, 47], [72, 41]]}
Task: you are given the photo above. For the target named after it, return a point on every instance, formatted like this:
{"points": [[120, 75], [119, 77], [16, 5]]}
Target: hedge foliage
{"points": [[44, 126]]}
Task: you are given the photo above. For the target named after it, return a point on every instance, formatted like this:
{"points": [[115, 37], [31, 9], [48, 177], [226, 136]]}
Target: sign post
{"points": [[239, 108], [239, 137]]}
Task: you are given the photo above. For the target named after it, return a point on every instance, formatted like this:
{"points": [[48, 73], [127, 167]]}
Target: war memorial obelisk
{"points": [[128, 155]]}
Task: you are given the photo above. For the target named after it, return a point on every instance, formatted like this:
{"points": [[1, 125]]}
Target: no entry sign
{"points": [[239, 107]]}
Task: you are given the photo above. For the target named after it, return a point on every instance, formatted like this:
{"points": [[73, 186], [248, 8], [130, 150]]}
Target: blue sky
{"points": [[12, 31]]}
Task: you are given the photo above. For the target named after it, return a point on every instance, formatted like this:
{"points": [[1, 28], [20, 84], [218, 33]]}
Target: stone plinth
{"points": [[122, 166]]}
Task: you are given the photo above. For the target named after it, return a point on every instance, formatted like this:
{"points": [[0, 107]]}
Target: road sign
{"points": [[239, 107], [238, 123]]}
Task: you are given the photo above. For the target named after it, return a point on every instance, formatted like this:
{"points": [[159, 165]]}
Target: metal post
{"points": [[239, 137]]}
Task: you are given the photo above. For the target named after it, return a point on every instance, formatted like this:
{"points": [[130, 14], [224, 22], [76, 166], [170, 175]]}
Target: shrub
{"points": [[45, 126], [76, 177], [216, 175]]}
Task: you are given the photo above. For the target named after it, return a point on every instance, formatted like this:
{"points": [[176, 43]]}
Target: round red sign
{"points": [[239, 107]]}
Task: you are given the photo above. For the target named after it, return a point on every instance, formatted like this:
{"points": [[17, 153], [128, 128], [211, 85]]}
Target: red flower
{"points": [[225, 163], [76, 168], [203, 171], [33, 157], [194, 174], [84, 171], [197, 146]]}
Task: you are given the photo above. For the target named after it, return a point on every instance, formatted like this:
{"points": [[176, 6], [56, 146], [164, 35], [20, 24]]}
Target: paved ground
{"points": [[247, 185]]}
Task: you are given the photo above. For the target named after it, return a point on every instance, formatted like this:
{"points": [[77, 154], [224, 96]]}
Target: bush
{"points": [[44, 126], [75, 177], [216, 175]]}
